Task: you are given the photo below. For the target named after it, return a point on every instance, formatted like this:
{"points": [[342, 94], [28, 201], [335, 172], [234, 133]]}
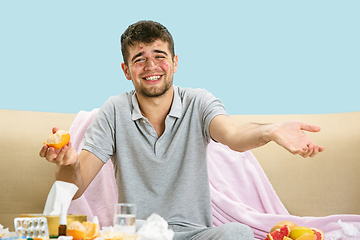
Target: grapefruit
{"points": [[279, 233], [299, 231], [291, 225], [319, 234]]}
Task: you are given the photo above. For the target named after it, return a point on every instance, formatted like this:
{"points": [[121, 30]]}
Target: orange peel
{"points": [[92, 230], [83, 231], [114, 235], [76, 230], [58, 140]]}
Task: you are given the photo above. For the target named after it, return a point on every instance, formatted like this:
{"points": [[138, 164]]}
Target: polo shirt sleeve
{"points": [[209, 107], [100, 136]]}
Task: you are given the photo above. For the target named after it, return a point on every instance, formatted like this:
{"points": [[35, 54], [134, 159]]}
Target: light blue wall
{"points": [[259, 57]]}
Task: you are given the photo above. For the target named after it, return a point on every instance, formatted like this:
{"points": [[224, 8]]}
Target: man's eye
{"points": [[139, 60], [159, 57]]}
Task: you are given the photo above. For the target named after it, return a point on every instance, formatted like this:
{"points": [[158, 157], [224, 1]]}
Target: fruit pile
{"points": [[286, 230]]}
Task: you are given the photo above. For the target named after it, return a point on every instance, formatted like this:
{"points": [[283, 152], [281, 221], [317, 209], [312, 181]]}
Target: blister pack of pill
{"points": [[31, 227]]}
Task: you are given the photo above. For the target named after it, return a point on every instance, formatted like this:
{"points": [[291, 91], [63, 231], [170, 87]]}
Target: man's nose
{"points": [[150, 64]]}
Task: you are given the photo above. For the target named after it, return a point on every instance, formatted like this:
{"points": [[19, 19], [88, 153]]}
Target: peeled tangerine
{"points": [[58, 139]]}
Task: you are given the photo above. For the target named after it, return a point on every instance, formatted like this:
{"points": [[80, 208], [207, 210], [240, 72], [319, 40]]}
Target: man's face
{"points": [[151, 68]]}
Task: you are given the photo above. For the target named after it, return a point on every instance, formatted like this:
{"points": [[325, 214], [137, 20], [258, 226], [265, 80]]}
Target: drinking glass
{"points": [[125, 218]]}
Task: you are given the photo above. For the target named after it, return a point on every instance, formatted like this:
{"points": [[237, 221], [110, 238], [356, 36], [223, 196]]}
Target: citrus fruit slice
{"points": [[76, 230], [299, 231], [58, 139], [291, 225], [279, 233], [319, 234], [114, 235]]}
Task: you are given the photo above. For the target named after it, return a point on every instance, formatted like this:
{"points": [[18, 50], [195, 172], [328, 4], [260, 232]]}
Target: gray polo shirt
{"points": [[166, 175]]}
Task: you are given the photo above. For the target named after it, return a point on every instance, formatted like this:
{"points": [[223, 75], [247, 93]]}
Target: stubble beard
{"points": [[153, 92]]}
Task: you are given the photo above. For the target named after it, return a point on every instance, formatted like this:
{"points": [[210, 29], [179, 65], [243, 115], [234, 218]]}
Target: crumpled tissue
{"points": [[3, 231], [155, 228], [61, 193], [347, 232]]}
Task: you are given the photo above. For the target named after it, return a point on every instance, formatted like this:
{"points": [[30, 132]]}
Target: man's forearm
{"points": [[249, 136], [71, 173]]}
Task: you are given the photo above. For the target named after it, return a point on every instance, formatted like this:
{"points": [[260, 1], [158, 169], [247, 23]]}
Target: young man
{"points": [[157, 135]]}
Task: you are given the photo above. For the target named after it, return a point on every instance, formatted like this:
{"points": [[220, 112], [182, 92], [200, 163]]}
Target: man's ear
{"points": [[175, 61], [126, 71]]}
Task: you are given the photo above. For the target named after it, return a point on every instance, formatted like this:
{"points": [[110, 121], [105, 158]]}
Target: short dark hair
{"points": [[145, 31]]}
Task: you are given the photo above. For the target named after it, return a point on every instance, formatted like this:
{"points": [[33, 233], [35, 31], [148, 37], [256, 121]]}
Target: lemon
{"points": [[300, 231]]}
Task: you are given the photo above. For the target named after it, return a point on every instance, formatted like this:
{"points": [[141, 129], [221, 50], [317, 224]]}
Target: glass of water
{"points": [[125, 218]]}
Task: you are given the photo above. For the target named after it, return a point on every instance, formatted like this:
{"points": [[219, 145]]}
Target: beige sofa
{"points": [[320, 186]]}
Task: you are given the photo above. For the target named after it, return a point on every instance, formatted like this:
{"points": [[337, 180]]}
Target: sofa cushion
{"points": [[26, 178]]}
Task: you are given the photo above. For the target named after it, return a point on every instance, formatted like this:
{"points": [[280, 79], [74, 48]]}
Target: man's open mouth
{"points": [[153, 78]]}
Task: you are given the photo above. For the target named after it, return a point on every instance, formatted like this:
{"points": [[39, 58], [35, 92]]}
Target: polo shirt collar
{"points": [[175, 110]]}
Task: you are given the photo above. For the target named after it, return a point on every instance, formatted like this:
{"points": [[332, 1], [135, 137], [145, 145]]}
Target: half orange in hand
{"points": [[58, 139]]}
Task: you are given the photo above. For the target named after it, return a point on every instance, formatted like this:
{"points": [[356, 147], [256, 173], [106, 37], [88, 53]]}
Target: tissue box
{"points": [[53, 221]]}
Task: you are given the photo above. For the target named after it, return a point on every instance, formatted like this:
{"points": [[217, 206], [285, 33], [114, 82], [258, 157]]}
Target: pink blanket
{"points": [[100, 197], [240, 190]]}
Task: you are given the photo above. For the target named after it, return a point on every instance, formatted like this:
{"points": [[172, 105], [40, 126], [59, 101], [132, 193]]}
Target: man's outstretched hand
{"points": [[292, 137]]}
